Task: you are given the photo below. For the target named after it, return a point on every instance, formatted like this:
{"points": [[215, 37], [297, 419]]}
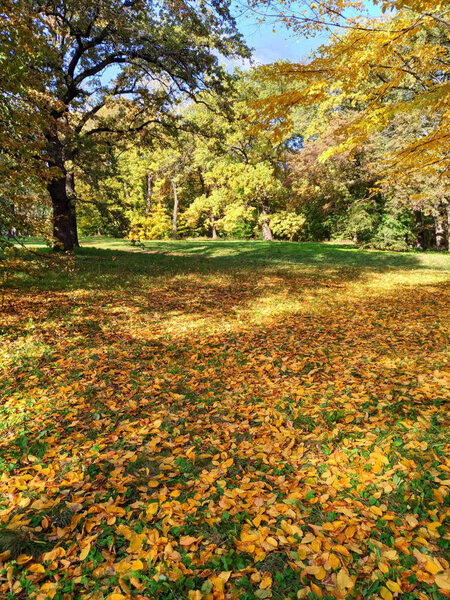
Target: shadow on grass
{"points": [[234, 253], [231, 356]]}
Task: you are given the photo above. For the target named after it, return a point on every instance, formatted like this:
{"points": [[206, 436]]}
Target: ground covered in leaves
{"points": [[230, 420]]}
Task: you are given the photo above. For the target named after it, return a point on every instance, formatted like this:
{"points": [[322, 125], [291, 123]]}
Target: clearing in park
{"points": [[226, 420]]}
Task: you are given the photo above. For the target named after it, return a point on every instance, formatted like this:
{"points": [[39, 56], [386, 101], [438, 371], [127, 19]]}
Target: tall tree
{"points": [[384, 67], [154, 52]]}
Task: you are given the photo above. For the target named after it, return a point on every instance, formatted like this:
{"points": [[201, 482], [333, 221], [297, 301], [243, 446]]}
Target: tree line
{"points": [[118, 118]]}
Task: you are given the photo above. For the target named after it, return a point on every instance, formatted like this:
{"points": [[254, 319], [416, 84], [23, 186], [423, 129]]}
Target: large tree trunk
{"points": [[439, 229], [175, 211], [265, 224], [70, 189], [213, 225], [149, 194], [62, 211]]}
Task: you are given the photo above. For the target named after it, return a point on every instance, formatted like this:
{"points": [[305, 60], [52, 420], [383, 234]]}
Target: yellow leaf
{"points": [[391, 554], [341, 550], [257, 521], [152, 510], [439, 496], [411, 520], [321, 574], [135, 543], [37, 569], [334, 561], [443, 581], [383, 567], [137, 565], [266, 582], [125, 531], [23, 558], [271, 541], [225, 575], [344, 580], [122, 567], [302, 553], [55, 553], [376, 510], [385, 594], [85, 552], [115, 596], [393, 586], [219, 584], [350, 531], [432, 567], [136, 583]]}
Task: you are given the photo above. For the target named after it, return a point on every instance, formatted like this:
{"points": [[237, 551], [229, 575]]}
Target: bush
{"points": [[154, 227], [286, 225]]}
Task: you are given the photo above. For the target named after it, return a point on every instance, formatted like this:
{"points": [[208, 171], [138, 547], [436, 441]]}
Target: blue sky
{"points": [[270, 46]]}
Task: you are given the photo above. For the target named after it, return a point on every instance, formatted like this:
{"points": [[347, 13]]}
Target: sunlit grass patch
{"points": [[235, 421]]}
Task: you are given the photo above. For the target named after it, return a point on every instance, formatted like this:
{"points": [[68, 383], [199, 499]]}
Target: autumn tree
{"points": [[373, 70], [23, 112], [241, 169], [153, 52]]}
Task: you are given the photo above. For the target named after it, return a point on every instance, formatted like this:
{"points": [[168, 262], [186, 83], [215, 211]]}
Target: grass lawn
{"points": [[221, 420]]}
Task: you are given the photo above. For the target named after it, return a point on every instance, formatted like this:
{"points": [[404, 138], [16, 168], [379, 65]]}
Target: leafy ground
{"points": [[226, 420]]}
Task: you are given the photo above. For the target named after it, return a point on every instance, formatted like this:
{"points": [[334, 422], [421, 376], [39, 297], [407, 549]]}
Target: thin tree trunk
{"points": [[62, 230], [175, 211], [70, 190], [265, 224], [149, 194], [447, 208], [213, 225], [439, 229], [418, 222]]}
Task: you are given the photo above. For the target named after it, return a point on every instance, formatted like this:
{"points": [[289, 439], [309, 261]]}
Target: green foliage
{"points": [[156, 226], [238, 221], [287, 225]]}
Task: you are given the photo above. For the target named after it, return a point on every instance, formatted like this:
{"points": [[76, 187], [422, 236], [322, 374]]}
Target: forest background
{"points": [[101, 135]]}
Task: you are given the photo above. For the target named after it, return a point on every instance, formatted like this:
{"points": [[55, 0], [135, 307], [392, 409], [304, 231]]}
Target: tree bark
{"points": [[447, 208], [439, 229], [149, 194], [70, 189], [265, 224], [213, 225], [62, 228], [418, 222], [175, 211]]}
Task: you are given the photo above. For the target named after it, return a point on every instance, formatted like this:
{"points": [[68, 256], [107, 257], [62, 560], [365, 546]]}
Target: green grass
{"points": [[107, 261], [221, 383]]}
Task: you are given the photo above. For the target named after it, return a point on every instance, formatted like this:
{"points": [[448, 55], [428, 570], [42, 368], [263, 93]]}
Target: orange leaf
{"points": [[188, 540]]}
